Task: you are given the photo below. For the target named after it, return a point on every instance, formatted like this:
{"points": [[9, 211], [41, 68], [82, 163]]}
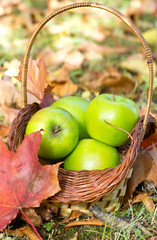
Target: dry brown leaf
{"points": [[61, 83], [146, 199], [145, 169], [6, 7], [31, 17], [36, 77], [4, 131], [139, 7], [73, 215], [32, 215], [55, 4], [9, 113], [46, 214], [83, 222], [111, 80], [64, 88], [23, 231], [92, 50], [44, 210], [137, 63], [117, 83], [74, 60], [55, 58], [10, 96]]}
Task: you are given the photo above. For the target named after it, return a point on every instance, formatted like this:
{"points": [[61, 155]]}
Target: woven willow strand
{"points": [[94, 5]]}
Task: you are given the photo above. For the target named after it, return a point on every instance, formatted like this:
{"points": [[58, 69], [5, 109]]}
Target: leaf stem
{"points": [[119, 129], [31, 224]]}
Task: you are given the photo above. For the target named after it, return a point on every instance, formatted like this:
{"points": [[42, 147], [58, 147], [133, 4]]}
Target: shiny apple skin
{"points": [[121, 112], [54, 145], [90, 154]]}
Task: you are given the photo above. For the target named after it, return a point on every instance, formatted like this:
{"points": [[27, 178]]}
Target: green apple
{"points": [[115, 110], [77, 106], [90, 154], [59, 132]]}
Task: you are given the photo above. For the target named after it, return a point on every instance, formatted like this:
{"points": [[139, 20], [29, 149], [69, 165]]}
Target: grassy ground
{"points": [[142, 225]]}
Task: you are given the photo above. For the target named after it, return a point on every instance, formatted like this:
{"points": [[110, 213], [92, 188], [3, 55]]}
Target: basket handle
{"points": [[94, 5]]}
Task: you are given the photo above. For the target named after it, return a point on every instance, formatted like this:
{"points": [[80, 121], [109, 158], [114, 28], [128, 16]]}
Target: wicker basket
{"points": [[81, 189]]}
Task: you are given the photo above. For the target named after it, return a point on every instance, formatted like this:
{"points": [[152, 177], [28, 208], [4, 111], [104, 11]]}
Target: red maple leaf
{"points": [[24, 182]]}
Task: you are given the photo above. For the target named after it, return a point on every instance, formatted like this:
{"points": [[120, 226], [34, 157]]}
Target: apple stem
{"points": [[113, 98], [119, 129], [31, 224]]}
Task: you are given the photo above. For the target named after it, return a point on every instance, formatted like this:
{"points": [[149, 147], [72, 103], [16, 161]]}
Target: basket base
{"points": [[109, 203]]}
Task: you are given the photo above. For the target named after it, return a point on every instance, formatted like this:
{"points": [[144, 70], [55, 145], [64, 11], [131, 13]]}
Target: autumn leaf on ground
{"points": [[137, 63], [84, 222], [21, 232], [32, 215], [141, 7], [110, 80], [24, 181], [93, 50], [74, 60], [9, 113], [61, 83], [73, 215], [145, 169], [114, 81], [36, 77], [10, 95], [146, 199]]}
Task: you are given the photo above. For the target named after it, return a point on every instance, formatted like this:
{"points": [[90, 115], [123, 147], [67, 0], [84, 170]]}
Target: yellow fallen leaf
{"points": [[84, 222]]}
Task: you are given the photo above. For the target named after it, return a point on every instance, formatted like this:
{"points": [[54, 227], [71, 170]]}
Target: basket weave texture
{"points": [[109, 203]]}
